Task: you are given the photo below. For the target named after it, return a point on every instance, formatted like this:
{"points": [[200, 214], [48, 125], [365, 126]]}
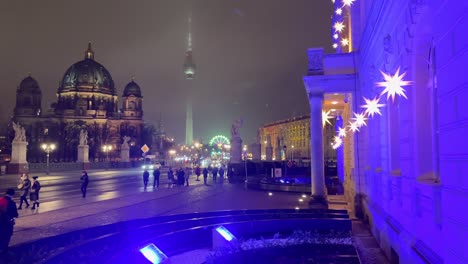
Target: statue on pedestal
{"points": [[236, 125], [83, 137], [125, 142], [20, 133]]}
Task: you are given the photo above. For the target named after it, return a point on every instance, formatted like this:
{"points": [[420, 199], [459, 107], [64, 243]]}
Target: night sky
{"points": [[250, 55]]}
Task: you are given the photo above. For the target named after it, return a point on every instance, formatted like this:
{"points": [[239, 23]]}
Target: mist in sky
{"points": [[250, 55]]}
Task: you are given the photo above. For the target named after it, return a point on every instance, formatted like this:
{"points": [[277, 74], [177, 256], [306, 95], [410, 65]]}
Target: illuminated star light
{"points": [[372, 106], [335, 36], [335, 45], [339, 11], [337, 142], [338, 26], [353, 126], [360, 119], [393, 84], [325, 117], [344, 42], [341, 132], [348, 2]]}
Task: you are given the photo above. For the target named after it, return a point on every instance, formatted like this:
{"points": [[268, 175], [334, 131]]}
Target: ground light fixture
{"points": [[225, 233], [270, 194], [304, 196], [153, 254]]}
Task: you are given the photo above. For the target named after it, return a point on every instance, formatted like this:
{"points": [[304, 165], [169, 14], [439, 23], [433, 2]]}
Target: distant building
{"points": [[86, 99], [290, 138]]}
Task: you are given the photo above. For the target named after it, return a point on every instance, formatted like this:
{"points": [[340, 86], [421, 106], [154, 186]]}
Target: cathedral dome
{"points": [[29, 85], [132, 88], [87, 76]]}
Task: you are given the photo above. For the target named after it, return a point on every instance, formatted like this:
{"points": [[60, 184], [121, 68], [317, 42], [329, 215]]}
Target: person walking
{"points": [[145, 178], [205, 175], [34, 195], [221, 174], [156, 174], [188, 173], [84, 183], [170, 177], [8, 214], [215, 173], [181, 176], [198, 172], [25, 186]]}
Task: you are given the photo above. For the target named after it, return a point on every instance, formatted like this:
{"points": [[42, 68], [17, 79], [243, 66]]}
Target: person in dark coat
{"points": [[24, 186], [145, 178], [215, 173], [34, 195], [221, 174], [8, 214], [156, 174], [170, 177], [198, 172], [205, 175], [84, 183], [181, 177]]}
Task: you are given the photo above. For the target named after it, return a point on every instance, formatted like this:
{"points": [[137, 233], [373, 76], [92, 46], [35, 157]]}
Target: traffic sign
{"points": [[145, 148]]}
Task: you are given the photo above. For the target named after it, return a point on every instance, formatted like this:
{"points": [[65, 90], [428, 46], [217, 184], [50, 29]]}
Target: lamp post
{"points": [[245, 159], [106, 149], [292, 153], [48, 147]]}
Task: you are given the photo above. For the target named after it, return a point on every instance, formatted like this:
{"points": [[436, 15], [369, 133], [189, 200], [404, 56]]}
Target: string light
{"points": [[353, 127], [393, 85], [372, 106], [338, 26], [360, 119], [335, 45], [348, 2], [325, 117], [344, 42], [335, 36], [341, 132], [339, 11]]}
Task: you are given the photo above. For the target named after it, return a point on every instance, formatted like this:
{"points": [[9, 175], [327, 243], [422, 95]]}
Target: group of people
{"points": [[181, 176], [31, 188]]}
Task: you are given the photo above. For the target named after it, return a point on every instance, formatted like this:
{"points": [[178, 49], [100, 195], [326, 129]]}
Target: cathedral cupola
{"points": [[132, 105], [28, 98]]}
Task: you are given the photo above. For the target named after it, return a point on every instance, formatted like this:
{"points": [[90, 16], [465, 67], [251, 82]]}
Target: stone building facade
{"points": [[404, 170], [86, 99]]}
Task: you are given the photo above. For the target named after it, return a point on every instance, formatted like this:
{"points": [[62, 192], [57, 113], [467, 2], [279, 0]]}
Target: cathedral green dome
{"points": [[87, 76], [132, 88]]}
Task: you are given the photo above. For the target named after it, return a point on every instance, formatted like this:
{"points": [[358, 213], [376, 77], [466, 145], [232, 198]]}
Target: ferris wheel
{"points": [[219, 139]]}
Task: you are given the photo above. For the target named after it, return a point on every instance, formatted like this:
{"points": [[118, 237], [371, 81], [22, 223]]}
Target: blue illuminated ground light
{"points": [[225, 233], [153, 254]]}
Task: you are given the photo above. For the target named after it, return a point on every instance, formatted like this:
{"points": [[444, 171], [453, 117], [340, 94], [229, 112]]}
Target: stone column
{"points": [[18, 163], [236, 150], [256, 149], [316, 147], [269, 152]]}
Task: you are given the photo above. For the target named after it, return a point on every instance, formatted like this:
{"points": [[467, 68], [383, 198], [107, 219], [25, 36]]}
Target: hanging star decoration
{"points": [[360, 119], [337, 142], [394, 85], [338, 26], [325, 118], [344, 42], [372, 106], [339, 11], [348, 2], [341, 132], [335, 45], [353, 126]]}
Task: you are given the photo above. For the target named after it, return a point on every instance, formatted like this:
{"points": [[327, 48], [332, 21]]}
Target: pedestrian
{"points": [[221, 174], [156, 174], [188, 172], [84, 183], [34, 195], [215, 173], [170, 177], [198, 172], [205, 175], [25, 186], [145, 178], [8, 214], [181, 177]]}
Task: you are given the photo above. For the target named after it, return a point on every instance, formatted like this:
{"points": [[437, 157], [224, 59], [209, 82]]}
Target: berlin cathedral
{"points": [[86, 99]]}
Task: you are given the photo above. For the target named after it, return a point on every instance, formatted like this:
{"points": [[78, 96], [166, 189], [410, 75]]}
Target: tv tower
{"points": [[189, 70]]}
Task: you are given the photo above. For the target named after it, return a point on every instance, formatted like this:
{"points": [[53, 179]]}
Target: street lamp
{"points": [[48, 147], [292, 152], [106, 149]]}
